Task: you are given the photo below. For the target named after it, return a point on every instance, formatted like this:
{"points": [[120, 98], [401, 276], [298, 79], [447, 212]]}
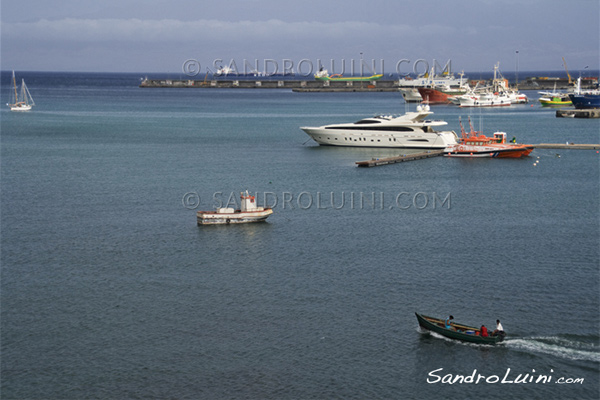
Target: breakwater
{"points": [[310, 85]]}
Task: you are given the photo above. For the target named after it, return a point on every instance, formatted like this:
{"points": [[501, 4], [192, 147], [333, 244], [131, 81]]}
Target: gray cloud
{"points": [[158, 35]]}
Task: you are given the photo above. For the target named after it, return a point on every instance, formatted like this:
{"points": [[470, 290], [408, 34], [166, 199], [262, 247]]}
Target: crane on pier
{"points": [[569, 75]]}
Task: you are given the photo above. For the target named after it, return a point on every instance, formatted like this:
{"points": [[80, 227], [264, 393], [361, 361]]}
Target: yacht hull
{"points": [[357, 138]]}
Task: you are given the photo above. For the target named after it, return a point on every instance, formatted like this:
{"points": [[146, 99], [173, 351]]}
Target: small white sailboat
{"points": [[21, 99]]}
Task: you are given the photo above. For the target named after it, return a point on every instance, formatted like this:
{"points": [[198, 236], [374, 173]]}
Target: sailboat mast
{"points": [[15, 86]]}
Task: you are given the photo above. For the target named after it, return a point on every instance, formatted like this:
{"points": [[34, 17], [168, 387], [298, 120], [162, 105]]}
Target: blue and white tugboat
{"points": [[247, 213]]}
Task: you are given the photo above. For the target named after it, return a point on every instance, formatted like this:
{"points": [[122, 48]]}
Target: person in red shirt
{"points": [[484, 332]]}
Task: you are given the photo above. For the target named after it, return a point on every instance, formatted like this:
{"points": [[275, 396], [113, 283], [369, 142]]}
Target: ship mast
{"points": [[15, 86]]}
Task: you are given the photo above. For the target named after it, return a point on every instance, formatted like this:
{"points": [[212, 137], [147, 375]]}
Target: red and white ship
{"points": [[441, 93], [473, 144]]}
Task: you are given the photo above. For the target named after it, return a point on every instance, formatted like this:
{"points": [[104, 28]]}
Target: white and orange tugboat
{"points": [[247, 213], [474, 145]]}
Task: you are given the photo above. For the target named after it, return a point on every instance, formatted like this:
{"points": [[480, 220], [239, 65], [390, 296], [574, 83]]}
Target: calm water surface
{"points": [[110, 290]]}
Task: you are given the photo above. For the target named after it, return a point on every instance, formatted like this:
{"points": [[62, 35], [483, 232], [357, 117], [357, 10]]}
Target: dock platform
{"points": [[375, 162], [294, 85], [576, 113], [297, 85], [573, 146]]}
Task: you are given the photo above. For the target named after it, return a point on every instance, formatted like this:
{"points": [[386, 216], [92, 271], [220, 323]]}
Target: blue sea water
{"points": [[109, 289]]}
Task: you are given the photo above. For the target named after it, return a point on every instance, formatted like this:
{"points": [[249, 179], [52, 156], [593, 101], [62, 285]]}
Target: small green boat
{"points": [[458, 331], [557, 100], [554, 98]]}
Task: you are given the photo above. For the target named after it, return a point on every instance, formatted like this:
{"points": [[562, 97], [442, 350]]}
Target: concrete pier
{"points": [[375, 162], [308, 85], [567, 146], [295, 85], [574, 113]]}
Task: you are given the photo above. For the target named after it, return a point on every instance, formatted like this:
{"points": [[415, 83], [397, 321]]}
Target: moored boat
{"points": [[411, 130], [248, 212], [461, 332], [431, 78], [477, 98], [584, 99], [323, 75], [473, 144], [497, 95], [550, 99], [441, 94], [554, 98], [516, 97], [411, 95]]}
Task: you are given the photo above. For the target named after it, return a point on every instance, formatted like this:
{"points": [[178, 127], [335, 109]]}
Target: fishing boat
{"points": [[431, 78], [473, 144], [248, 212], [461, 332], [441, 93], [554, 98], [516, 97], [497, 95], [584, 99], [410, 130], [482, 99], [21, 99], [323, 75]]}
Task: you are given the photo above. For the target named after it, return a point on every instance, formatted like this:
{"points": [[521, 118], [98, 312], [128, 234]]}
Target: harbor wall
{"points": [[316, 86]]}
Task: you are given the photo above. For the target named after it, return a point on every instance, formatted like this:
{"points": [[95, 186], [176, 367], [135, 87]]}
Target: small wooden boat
{"points": [[249, 212], [458, 331]]}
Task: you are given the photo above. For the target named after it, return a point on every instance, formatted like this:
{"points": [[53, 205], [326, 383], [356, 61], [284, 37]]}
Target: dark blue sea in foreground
{"points": [[109, 289]]}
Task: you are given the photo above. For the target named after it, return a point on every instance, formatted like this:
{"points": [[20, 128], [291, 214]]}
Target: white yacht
{"points": [[411, 130]]}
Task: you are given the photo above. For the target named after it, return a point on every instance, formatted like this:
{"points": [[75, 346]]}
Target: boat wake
{"points": [[565, 347]]}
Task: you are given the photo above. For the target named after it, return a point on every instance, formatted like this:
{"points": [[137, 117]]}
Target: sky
{"points": [[159, 36]]}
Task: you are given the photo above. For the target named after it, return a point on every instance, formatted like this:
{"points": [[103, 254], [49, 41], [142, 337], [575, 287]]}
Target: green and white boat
{"points": [[554, 98]]}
